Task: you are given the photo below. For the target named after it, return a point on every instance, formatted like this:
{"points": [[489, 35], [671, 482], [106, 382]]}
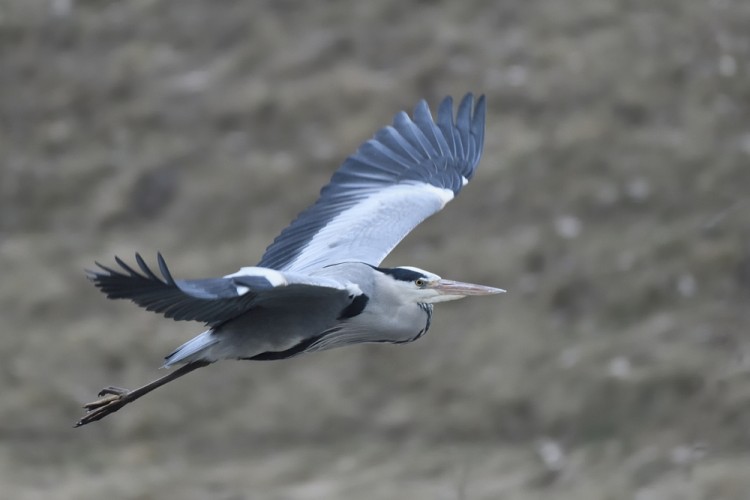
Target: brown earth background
{"points": [[611, 201]]}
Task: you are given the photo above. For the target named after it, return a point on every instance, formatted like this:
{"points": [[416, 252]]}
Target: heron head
{"points": [[429, 288]]}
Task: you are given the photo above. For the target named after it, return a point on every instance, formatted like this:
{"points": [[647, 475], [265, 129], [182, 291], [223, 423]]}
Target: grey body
{"points": [[290, 325]]}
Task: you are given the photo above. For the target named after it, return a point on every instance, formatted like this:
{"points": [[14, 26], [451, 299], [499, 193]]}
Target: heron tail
{"points": [[192, 350]]}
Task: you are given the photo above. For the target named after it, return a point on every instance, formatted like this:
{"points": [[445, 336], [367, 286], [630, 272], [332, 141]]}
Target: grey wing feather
{"points": [[211, 301], [414, 153]]}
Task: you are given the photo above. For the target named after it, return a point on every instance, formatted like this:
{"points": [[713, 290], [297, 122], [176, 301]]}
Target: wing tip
{"points": [[102, 277]]}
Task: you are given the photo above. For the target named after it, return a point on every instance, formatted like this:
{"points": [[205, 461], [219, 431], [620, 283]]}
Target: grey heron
{"points": [[318, 285]]}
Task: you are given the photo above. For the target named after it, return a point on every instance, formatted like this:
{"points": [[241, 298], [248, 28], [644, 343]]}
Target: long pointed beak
{"points": [[449, 287]]}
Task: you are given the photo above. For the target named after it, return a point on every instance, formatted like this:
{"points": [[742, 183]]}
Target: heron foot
{"points": [[111, 390], [110, 400]]}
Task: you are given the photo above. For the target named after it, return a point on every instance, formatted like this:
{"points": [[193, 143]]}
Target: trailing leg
{"points": [[114, 398]]}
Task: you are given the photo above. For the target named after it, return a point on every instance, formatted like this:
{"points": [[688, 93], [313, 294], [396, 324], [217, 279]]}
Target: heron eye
{"points": [[419, 282]]}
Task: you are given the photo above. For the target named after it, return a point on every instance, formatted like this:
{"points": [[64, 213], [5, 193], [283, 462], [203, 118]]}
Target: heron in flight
{"points": [[319, 284]]}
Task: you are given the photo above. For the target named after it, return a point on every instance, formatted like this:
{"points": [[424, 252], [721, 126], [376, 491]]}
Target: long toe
{"points": [[117, 391], [101, 402]]}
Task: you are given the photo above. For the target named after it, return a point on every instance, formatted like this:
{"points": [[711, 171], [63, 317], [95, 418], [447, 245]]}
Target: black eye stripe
{"points": [[402, 274]]}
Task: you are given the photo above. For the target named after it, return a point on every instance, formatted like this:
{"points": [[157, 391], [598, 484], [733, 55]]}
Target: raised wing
{"points": [[212, 301], [404, 174]]}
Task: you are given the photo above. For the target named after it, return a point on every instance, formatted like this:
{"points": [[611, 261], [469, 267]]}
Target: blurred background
{"points": [[611, 201]]}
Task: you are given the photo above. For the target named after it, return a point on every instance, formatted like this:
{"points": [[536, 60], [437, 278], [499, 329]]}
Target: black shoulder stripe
{"points": [[355, 307]]}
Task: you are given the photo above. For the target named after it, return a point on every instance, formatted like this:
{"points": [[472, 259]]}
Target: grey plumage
{"points": [[318, 285]]}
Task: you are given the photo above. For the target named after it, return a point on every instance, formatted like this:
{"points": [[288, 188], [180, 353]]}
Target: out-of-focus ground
{"points": [[611, 201]]}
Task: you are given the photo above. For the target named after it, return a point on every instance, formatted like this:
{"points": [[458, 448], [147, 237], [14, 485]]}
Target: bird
{"points": [[319, 285]]}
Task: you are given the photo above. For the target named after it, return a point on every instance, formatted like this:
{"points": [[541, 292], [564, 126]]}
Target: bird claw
{"points": [[111, 399], [115, 391]]}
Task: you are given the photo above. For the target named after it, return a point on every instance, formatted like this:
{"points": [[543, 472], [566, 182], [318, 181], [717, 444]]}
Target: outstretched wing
{"points": [[404, 174], [212, 301]]}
